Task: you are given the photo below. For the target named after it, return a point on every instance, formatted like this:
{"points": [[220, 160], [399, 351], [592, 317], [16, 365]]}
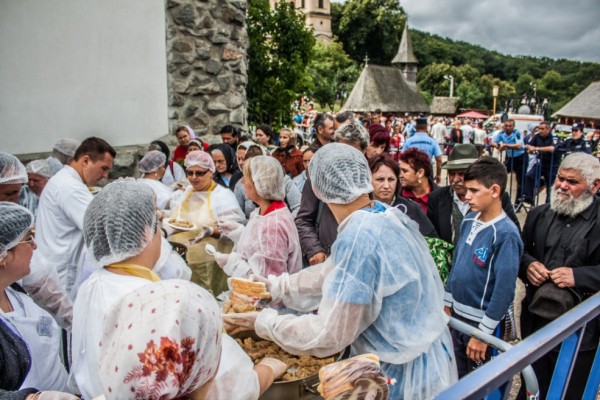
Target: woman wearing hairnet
{"points": [[269, 244], [178, 322], [29, 337], [152, 166], [204, 203], [122, 236], [389, 303]]}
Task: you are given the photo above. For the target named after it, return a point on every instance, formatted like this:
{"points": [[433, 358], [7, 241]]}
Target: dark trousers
{"points": [[460, 341], [518, 165], [537, 179]]}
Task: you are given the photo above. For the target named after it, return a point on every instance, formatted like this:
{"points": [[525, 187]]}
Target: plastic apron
{"points": [[42, 335], [205, 271]]}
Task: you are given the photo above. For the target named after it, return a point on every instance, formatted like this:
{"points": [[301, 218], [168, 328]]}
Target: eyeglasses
{"points": [[197, 174], [30, 240]]}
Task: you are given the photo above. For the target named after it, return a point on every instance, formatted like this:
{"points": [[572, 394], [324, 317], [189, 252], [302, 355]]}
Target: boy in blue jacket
{"points": [[481, 285]]}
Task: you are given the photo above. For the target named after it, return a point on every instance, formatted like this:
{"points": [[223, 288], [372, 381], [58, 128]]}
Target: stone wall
{"points": [[206, 63]]}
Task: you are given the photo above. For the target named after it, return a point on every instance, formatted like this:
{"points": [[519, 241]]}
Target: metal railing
{"points": [[490, 380]]}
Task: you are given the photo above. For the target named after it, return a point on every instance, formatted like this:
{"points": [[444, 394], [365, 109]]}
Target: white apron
{"points": [[42, 335]]}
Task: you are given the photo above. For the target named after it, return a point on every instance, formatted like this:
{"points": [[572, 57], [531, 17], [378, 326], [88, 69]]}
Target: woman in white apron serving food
{"points": [[195, 216]]}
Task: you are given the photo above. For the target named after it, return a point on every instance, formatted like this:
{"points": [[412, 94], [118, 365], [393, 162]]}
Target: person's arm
{"points": [[75, 203], [438, 169], [505, 269], [336, 326], [292, 196], [509, 209], [306, 220], [528, 235], [43, 285]]}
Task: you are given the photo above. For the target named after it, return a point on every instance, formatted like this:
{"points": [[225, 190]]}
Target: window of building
{"points": [[321, 4]]}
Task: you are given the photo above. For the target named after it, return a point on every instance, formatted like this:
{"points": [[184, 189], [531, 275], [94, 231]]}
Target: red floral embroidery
{"points": [[165, 365]]}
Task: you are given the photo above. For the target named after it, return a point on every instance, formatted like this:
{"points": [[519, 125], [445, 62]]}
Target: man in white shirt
{"points": [[59, 226], [438, 132], [467, 131]]}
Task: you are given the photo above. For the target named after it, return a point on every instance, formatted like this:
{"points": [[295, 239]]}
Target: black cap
{"points": [[421, 121]]}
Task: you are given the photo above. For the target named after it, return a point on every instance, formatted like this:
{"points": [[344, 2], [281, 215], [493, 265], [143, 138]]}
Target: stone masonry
{"points": [[206, 64]]}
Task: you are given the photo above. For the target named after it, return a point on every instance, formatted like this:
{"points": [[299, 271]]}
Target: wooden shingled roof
{"points": [[585, 105], [384, 88]]}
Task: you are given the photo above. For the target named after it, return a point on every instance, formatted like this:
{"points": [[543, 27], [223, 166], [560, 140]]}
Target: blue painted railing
{"points": [[490, 380]]}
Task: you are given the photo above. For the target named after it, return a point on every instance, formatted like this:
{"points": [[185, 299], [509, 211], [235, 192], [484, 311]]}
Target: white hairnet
{"points": [[67, 146], [267, 176], [44, 167], [120, 221], [161, 341], [339, 174], [199, 158], [11, 170], [152, 161], [15, 222]]}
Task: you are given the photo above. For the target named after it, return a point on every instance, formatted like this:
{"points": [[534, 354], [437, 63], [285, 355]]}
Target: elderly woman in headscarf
{"points": [[39, 173], [123, 238], [269, 244], [152, 166], [204, 204], [173, 171], [227, 171], [365, 296], [165, 341], [29, 337]]}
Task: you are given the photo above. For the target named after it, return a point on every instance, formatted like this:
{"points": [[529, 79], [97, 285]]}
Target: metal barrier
{"points": [[490, 380]]}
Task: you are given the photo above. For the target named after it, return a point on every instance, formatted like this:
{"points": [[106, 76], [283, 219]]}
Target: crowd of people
{"points": [[350, 228]]}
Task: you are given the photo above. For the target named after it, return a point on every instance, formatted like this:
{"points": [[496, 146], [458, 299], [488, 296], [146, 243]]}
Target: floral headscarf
{"points": [[161, 341]]}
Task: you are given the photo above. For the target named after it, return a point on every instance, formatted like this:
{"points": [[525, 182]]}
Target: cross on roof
{"points": [[366, 59]]}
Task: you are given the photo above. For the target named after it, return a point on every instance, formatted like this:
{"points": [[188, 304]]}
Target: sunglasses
{"points": [[197, 174]]}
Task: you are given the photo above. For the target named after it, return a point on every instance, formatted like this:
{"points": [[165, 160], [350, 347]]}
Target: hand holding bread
{"points": [[359, 377]]}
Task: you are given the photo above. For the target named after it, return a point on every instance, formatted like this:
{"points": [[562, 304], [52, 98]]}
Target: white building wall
{"points": [[76, 68]]}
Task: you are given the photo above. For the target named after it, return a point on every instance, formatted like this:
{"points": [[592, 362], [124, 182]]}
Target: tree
{"points": [[332, 72], [280, 48], [370, 27]]}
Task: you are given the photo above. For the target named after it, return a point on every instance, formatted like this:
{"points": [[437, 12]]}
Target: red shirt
{"points": [[276, 205], [422, 201]]}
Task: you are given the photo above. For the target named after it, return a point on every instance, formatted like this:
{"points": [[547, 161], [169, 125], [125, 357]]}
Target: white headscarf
{"points": [[161, 341]]}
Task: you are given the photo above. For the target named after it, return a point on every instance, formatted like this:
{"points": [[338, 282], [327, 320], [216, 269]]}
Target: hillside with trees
{"points": [[286, 63]]}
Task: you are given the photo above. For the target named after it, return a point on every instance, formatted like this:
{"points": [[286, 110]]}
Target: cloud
{"points": [[549, 28]]}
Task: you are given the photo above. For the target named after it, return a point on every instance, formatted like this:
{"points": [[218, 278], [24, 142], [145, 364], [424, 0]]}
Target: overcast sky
{"points": [[553, 28]]}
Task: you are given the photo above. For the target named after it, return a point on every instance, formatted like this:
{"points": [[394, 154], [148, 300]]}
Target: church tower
{"points": [[318, 15], [405, 59]]}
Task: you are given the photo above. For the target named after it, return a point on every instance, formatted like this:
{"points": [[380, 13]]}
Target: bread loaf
{"points": [[249, 288]]}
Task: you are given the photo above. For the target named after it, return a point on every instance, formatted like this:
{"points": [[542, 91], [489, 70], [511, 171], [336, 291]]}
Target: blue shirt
{"points": [[409, 129], [482, 281], [424, 142], [516, 137]]}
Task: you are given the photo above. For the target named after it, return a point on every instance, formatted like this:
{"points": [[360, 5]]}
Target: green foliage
{"points": [[280, 49], [331, 71], [558, 80], [369, 27]]}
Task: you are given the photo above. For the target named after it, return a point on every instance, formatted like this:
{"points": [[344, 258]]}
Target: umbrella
{"points": [[472, 114]]}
